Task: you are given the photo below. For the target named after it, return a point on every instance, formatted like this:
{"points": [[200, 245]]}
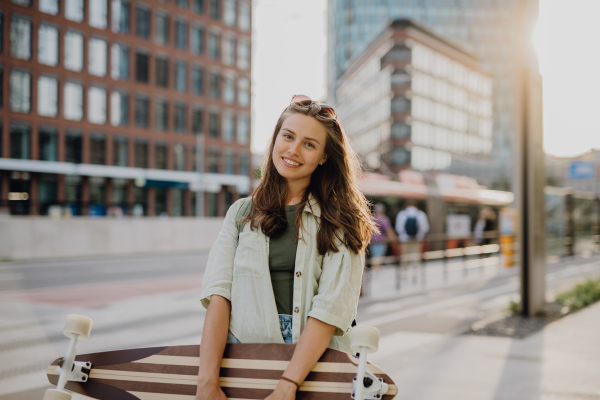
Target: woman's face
{"points": [[299, 147]]}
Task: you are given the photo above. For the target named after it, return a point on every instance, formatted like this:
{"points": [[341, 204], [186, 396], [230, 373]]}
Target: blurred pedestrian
{"points": [[412, 226], [486, 222], [287, 266], [380, 240]]}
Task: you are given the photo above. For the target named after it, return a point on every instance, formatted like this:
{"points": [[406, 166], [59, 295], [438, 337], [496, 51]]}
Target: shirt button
{"points": [[298, 274], [296, 310]]}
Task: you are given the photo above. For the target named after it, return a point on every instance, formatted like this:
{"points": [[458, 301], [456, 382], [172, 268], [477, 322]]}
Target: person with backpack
{"points": [[411, 226], [287, 265]]}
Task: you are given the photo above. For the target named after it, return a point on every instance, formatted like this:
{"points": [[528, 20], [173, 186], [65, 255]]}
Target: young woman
{"points": [[287, 266]]}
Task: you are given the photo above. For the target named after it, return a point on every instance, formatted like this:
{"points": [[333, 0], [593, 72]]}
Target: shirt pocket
{"points": [[249, 260]]}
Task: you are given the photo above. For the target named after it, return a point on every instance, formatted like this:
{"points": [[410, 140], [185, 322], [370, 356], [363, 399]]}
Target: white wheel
{"points": [[364, 336], [53, 394], [78, 324]]}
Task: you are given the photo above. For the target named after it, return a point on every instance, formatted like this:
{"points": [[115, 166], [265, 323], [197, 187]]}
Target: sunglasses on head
{"points": [[305, 101]]}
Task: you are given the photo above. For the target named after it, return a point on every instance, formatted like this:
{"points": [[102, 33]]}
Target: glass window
{"points": [[160, 156], [120, 151], [20, 91], [120, 16], [20, 38], [141, 67], [181, 34], [197, 80], [213, 85], [162, 28], [215, 9], [161, 114], [97, 57], [97, 149], [243, 129], [228, 127], [213, 124], [48, 45], [47, 96], [244, 92], [229, 12], [74, 10], [119, 108], [162, 72], [177, 202], [229, 90], [73, 51], [213, 160], [141, 153], [244, 164], [179, 157], [182, 3], [229, 51], [213, 45], [97, 105], [1, 32], [244, 16], [97, 13], [119, 68], [49, 6], [229, 162], [213, 204], [198, 6], [73, 101], [73, 146], [180, 76], [180, 118], [243, 55], [142, 22], [141, 111], [25, 3], [197, 39], [20, 141], [197, 120], [48, 144]]}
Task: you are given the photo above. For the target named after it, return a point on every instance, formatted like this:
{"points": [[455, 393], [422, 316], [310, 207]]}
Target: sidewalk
{"points": [[560, 362]]}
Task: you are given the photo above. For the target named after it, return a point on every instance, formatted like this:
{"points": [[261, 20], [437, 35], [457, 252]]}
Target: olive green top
{"points": [[282, 261]]}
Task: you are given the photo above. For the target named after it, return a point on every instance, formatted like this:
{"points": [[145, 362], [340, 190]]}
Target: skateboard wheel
{"points": [[78, 324], [53, 394], [364, 336]]}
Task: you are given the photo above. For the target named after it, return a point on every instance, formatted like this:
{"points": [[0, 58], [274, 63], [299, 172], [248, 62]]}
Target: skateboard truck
{"points": [[77, 327], [365, 385], [79, 372]]}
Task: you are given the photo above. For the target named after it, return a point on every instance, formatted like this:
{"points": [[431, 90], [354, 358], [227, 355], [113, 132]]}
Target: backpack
{"points": [[411, 227]]}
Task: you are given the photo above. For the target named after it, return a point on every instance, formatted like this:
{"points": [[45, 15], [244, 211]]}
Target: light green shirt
{"points": [[326, 287]]}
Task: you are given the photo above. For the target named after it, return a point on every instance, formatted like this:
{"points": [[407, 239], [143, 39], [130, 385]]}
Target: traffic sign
{"points": [[581, 170]]}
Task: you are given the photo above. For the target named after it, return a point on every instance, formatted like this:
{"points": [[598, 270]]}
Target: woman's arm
{"points": [[214, 339], [312, 344]]}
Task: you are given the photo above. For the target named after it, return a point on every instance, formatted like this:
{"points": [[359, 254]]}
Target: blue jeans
{"points": [[285, 323], [378, 249]]}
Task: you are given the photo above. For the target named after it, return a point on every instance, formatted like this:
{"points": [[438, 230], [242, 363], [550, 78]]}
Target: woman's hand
{"points": [[210, 391], [283, 391]]}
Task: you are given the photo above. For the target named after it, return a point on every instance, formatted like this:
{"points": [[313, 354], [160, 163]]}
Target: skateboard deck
{"points": [[248, 371]]}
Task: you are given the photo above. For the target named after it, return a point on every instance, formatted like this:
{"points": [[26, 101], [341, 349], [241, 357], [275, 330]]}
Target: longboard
{"points": [[248, 371]]}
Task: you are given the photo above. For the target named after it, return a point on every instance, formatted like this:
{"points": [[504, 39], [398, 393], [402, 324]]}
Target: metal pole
{"points": [[200, 169]]}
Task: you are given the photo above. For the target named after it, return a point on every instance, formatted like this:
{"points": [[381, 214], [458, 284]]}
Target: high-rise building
{"points": [[413, 100], [105, 104], [489, 29]]}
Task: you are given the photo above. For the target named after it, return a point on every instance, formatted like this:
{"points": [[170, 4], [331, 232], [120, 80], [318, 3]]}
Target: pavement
{"points": [[421, 347]]}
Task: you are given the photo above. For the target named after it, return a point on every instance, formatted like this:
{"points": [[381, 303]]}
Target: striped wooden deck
{"points": [[248, 371]]}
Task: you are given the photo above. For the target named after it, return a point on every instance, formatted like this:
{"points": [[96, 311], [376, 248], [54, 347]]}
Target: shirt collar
{"points": [[312, 206]]}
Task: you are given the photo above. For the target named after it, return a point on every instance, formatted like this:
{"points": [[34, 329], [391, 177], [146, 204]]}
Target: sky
{"points": [[290, 48]]}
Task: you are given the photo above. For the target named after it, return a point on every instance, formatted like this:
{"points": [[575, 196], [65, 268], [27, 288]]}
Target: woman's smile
{"points": [[290, 163]]}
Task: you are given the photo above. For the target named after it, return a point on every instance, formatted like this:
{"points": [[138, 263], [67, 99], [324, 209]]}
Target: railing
{"points": [[448, 250]]}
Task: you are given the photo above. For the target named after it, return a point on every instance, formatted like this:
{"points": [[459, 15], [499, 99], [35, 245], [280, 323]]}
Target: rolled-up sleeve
{"points": [[339, 289], [219, 268]]}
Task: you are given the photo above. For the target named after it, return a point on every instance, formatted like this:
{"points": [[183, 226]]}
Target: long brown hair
{"points": [[345, 213]]}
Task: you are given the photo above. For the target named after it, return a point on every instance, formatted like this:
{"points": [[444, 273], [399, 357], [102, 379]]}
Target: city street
{"points": [[153, 300]]}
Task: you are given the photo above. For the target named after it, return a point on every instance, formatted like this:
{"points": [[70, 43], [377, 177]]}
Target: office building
{"points": [[489, 29], [413, 100], [105, 104]]}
